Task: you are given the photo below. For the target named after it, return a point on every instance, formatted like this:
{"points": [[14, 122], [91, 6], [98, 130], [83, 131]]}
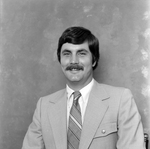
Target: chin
{"points": [[74, 79]]}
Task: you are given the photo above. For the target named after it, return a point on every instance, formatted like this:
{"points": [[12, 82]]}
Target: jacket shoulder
{"points": [[110, 87], [114, 90], [54, 96]]}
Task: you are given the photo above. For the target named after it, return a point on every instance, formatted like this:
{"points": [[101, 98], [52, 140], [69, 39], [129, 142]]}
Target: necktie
{"points": [[75, 123]]}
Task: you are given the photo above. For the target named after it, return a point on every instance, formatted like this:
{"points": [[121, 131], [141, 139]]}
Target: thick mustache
{"points": [[78, 67]]}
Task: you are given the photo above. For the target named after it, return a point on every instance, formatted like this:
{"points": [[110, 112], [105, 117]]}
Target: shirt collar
{"points": [[69, 91], [85, 91]]}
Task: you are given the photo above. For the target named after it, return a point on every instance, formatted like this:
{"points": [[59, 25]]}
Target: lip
{"points": [[74, 71]]}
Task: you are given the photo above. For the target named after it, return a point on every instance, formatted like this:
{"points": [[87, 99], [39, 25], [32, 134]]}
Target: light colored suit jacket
{"points": [[111, 121]]}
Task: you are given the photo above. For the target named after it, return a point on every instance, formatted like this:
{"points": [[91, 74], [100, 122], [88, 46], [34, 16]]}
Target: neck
{"points": [[76, 86]]}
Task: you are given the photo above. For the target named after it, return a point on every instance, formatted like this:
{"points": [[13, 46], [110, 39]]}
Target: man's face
{"points": [[76, 63]]}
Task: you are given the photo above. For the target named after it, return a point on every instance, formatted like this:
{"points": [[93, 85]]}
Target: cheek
{"points": [[88, 62], [64, 63]]}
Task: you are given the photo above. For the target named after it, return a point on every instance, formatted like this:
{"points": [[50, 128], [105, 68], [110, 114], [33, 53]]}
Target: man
{"points": [[100, 117]]}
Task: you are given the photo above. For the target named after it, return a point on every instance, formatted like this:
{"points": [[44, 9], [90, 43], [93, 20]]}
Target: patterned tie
{"points": [[75, 123]]}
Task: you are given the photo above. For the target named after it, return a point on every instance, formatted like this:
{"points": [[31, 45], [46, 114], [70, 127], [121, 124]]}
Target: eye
{"points": [[82, 53], [66, 53]]}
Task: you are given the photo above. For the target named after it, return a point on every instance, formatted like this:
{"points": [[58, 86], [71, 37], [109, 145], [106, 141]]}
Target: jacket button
{"points": [[103, 131]]}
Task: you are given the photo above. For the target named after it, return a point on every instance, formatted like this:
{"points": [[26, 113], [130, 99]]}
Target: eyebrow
{"points": [[66, 50], [79, 50], [82, 50]]}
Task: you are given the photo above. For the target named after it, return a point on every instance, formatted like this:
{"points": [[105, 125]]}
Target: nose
{"points": [[74, 59]]}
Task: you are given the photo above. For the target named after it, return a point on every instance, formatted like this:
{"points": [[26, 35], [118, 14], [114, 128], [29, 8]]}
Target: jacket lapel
{"points": [[58, 119], [94, 114]]}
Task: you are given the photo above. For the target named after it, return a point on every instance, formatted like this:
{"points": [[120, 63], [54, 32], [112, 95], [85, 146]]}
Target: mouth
{"points": [[74, 71]]}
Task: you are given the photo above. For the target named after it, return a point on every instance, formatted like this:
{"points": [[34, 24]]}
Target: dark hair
{"points": [[79, 35]]}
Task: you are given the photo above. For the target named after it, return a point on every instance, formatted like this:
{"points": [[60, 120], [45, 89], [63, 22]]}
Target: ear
{"points": [[94, 64]]}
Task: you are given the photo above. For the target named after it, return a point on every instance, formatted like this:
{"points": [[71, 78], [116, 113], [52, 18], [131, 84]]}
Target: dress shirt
{"points": [[83, 100]]}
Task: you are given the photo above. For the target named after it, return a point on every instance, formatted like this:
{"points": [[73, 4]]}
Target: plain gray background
{"points": [[28, 63]]}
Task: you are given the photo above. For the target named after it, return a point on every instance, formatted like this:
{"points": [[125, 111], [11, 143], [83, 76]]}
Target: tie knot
{"points": [[77, 94]]}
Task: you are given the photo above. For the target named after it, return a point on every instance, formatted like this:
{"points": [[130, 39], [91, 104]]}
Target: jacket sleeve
{"points": [[33, 138], [130, 129]]}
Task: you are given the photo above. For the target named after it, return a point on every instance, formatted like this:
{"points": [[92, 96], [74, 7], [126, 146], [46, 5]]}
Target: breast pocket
{"points": [[106, 129]]}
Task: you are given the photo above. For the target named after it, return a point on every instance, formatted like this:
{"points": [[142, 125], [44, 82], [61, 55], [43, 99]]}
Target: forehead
{"points": [[75, 47]]}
